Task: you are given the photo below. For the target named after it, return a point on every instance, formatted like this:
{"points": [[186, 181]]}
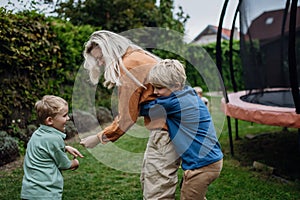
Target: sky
{"points": [[206, 12]]}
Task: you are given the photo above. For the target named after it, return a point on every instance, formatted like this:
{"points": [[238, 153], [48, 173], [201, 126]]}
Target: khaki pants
{"points": [[160, 165], [196, 182]]}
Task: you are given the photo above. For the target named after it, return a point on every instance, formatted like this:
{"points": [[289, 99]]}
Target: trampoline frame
{"points": [[258, 113]]}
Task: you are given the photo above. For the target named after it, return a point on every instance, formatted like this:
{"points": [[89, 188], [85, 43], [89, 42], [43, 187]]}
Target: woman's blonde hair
{"points": [[49, 106], [113, 47], [167, 73]]}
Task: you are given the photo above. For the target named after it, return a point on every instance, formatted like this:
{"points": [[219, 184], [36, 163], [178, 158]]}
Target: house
{"points": [[265, 49], [267, 27], [209, 35]]}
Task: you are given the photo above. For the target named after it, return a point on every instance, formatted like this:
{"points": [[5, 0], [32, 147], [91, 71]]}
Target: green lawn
{"points": [[118, 178]]}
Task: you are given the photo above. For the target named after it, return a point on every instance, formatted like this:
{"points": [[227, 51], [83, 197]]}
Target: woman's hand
{"points": [[90, 141]]}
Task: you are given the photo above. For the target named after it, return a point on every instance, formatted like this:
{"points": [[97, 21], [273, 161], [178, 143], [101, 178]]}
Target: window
{"points": [[269, 20]]}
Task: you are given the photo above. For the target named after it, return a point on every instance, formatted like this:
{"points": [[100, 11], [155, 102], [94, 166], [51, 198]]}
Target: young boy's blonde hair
{"points": [[49, 106], [167, 73]]}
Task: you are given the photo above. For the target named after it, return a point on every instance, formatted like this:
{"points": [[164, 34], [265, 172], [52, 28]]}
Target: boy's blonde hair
{"points": [[167, 73], [49, 106], [198, 90]]}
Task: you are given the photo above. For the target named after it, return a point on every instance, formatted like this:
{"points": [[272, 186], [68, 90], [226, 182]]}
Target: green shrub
{"points": [[30, 65], [8, 148]]}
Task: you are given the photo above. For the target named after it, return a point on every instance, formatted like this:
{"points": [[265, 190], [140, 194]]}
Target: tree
{"points": [[122, 15], [113, 15]]}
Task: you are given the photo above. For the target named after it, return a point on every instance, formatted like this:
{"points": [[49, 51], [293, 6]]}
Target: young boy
{"points": [[199, 92], [190, 127], [45, 155]]}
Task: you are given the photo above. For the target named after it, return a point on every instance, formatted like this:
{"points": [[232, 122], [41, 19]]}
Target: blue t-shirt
{"points": [[190, 127], [44, 159]]}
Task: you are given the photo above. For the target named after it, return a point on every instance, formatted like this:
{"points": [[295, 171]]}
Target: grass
{"points": [[118, 178]]}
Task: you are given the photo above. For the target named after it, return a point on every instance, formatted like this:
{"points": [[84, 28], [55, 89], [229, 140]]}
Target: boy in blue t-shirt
{"points": [[45, 154], [190, 127]]}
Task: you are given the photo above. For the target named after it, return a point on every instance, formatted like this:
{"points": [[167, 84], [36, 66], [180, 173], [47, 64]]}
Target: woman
{"points": [[126, 66]]}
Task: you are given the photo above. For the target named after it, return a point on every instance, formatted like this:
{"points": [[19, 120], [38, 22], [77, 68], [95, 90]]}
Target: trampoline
{"points": [[273, 107], [269, 50]]}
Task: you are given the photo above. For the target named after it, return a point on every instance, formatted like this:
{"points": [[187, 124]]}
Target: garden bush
{"points": [[30, 65], [8, 148]]}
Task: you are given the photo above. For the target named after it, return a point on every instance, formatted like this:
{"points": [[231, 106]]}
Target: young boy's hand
{"points": [[75, 164], [73, 151]]}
